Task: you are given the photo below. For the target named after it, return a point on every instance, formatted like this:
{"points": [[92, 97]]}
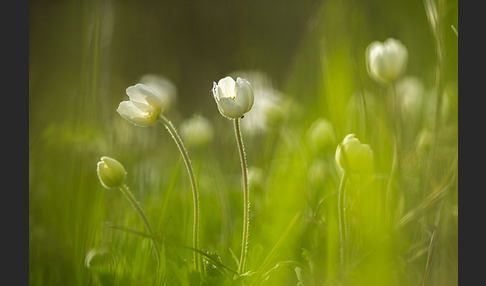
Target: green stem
{"points": [[192, 178], [124, 189], [395, 117], [390, 179], [342, 218], [246, 195]]}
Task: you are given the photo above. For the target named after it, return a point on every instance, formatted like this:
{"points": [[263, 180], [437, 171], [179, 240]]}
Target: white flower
{"points": [[197, 131], [144, 106], [234, 98], [110, 172], [166, 89], [386, 61]]}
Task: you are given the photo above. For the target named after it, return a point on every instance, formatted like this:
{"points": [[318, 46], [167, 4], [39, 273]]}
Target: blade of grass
{"points": [[433, 243], [141, 233], [260, 271]]}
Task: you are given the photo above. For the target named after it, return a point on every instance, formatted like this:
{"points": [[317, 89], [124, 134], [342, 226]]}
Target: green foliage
{"points": [[83, 55]]}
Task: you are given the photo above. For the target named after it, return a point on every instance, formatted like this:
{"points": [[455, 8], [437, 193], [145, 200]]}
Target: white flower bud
{"points": [[110, 172], [234, 98], [386, 61], [144, 106]]}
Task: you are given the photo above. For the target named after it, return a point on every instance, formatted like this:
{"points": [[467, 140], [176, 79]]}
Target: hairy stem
{"points": [[195, 195], [246, 196]]}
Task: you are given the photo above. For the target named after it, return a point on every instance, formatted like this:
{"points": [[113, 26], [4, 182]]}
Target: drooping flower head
{"points": [[386, 61], [110, 172], [353, 156], [144, 106], [234, 98]]}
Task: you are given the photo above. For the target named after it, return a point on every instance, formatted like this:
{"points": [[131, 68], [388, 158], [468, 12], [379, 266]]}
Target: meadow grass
{"points": [[398, 232]]}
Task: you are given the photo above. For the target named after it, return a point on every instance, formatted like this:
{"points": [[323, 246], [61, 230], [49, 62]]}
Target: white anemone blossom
{"points": [[234, 98], [144, 106], [386, 61]]}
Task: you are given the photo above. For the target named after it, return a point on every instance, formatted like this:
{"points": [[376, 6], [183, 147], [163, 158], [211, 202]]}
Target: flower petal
{"points": [[227, 87], [244, 94], [215, 91], [374, 52], [135, 112], [145, 94], [229, 108]]}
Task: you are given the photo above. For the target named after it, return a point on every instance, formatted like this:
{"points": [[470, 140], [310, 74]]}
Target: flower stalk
{"points": [[354, 158], [396, 147], [133, 201], [342, 220], [195, 194], [234, 99], [112, 174], [246, 196]]}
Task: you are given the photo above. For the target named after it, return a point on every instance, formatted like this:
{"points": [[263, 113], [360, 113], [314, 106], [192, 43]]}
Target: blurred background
{"points": [[306, 59]]}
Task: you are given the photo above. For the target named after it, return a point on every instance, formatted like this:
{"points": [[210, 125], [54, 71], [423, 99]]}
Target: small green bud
{"points": [[353, 156], [110, 172], [320, 135]]}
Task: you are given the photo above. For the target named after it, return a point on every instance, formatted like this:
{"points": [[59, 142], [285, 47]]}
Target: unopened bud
{"points": [[110, 172], [353, 156]]}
